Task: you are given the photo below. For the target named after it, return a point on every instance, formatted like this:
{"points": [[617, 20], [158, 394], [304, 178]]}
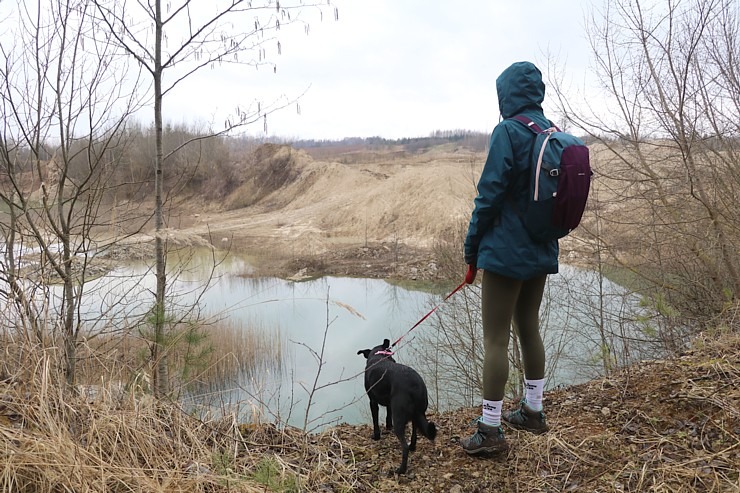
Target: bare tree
{"points": [[666, 153], [189, 36], [63, 113]]}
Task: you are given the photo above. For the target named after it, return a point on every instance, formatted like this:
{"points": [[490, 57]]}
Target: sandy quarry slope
{"points": [[292, 206], [371, 213], [409, 198]]}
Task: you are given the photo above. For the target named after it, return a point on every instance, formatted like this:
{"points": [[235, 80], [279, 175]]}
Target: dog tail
{"points": [[427, 428]]}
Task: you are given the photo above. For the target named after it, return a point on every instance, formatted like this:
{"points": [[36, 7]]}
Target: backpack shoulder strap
{"points": [[532, 125], [527, 122]]}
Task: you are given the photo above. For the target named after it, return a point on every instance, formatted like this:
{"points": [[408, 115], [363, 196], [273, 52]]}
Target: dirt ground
{"points": [[659, 426], [664, 426]]}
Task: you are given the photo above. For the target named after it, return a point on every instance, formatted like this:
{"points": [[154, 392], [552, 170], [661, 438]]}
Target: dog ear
{"points": [[386, 343], [364, 352]]}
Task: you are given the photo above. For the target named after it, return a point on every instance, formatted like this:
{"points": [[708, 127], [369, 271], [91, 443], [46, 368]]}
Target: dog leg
{"points": [[374, 412], [400, 430], [389, 419], [412, 447]]}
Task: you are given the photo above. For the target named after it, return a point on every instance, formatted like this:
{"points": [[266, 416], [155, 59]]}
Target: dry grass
{"points": [[663, 426], [56, 443], [203, 357], [115, 442]]}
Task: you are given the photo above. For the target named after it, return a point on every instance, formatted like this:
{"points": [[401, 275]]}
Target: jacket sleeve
{"points": [[492, 189]]}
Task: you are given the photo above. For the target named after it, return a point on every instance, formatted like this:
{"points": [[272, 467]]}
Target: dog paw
{"points": [[376, 436]]}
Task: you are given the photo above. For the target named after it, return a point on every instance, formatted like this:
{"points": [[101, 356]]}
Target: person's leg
{"points": [[529, 415], [499, 299], [499, 295], [527, 324]]}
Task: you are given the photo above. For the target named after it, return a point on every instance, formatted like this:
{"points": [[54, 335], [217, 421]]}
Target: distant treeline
{"points": [[477, 141], [468, 139]]}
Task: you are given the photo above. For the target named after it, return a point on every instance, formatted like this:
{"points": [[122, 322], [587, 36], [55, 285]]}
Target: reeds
{"points": [[203, 357], [119, 441]]}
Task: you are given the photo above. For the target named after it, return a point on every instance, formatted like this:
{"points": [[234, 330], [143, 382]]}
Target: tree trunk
{"points": [[161, 378]]}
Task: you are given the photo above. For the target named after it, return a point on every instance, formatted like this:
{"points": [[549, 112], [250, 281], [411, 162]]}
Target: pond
{"points": [[319, 325], [323, 324]]}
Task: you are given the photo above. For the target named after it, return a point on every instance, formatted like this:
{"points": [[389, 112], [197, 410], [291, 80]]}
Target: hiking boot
{"points": [[487, 439], [526, 419]]}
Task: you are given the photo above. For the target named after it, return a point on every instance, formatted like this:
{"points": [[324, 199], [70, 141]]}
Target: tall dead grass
{"points": [[121, 441], [203, 357], [56, 442]]}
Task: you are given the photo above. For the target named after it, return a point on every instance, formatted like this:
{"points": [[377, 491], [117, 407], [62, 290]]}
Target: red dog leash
{"points": [[469, 278]]}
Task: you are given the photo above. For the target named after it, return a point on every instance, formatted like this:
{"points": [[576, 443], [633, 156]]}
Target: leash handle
{"points": [[462, 285]]}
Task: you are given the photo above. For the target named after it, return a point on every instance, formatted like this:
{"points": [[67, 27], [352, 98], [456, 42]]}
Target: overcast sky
{"points": [[390, 68], [394, 68]]}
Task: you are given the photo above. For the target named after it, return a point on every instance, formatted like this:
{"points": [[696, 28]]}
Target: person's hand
{"points": [[470, 276]]}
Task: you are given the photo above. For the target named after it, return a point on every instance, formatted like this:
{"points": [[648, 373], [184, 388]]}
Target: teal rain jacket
{"points": [[496, 239]]}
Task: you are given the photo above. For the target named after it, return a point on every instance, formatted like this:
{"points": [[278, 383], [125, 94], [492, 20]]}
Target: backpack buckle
{"points": [[555, 172]]}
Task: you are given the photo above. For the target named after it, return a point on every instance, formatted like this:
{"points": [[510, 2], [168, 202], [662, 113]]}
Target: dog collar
{"points": [[385, 353]]}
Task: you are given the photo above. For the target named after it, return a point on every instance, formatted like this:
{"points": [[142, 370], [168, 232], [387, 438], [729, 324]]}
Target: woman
{"points": [[515, 267]]}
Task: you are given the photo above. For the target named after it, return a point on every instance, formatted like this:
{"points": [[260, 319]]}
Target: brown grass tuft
{"points": [[113, 442]]}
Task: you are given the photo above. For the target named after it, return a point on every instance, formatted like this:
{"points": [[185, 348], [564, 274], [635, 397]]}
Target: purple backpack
{"points": [[559, 182]]}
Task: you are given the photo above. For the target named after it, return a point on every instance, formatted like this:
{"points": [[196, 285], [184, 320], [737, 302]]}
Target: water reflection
{"points": [[325, 322]]}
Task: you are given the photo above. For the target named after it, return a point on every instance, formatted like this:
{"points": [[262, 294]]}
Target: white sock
{"points": [[534, 393], [492, 412]]}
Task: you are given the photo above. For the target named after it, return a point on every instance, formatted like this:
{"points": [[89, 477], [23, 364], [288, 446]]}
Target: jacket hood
{"points": [[519, 87]]}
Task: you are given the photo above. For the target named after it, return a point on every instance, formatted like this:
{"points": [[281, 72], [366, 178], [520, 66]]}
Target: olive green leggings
{"points": [[506, 300]]}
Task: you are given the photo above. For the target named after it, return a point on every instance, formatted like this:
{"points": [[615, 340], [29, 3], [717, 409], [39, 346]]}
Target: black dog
{"points": [[403, 392]]}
